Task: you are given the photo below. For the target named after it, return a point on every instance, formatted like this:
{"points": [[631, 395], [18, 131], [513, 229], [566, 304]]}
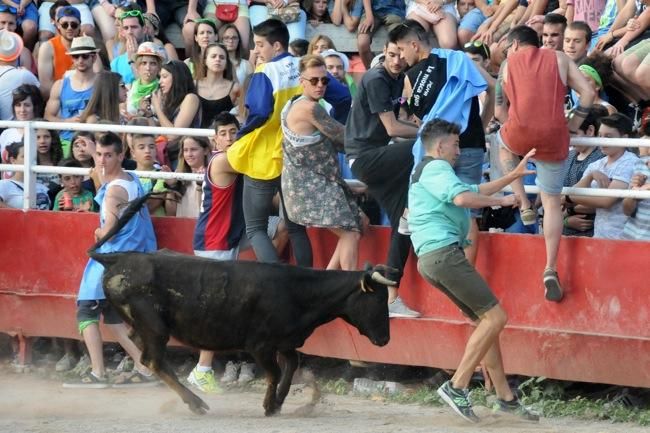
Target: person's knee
{"points": [[496, 317], [464, 36], [642, 76], [363, 43], [29, 27]]}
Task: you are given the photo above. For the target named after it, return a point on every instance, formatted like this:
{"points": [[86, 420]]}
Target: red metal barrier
{"points": [[599, 333]]}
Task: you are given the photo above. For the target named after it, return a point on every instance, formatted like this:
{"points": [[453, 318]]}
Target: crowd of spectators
{"points": [[110, 61]]}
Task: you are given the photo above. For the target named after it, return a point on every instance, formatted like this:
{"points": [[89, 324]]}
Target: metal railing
{"points": [[30, 168]]}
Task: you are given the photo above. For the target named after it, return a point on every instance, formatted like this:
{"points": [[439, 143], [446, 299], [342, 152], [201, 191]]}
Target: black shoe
{"points": [[515, 407], [458, 400]]}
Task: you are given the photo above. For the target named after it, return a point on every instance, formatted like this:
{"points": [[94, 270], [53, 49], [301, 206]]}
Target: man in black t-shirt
{"points": [[422, 85], [372, 123]]}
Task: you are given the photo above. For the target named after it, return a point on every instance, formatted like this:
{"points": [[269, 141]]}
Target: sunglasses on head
{"points": [[72, 24], [6, 8], [478, 44], [314, 80], [134, 13], [84, 56]]}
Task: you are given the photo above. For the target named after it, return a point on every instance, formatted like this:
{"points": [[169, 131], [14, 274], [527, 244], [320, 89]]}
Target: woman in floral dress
{"points": [[314, 193]]}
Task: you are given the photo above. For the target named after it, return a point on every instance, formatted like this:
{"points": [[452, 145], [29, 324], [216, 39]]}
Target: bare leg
{"points": [[93, 339], [472, 249], [205, 358], [483, 337], [121, 333], [363, 44], [347, 248], [552, 227], [494, 364], [508, 163]]}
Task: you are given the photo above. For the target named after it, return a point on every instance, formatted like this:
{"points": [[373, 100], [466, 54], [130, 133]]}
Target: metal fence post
{"points": [[29, 180]]}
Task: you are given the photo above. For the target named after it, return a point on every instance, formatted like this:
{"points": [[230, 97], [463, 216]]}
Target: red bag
{"points": [[227, 13]]}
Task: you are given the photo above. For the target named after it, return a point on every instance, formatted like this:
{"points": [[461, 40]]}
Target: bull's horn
{"points": [[381, 279], [365, 288]]}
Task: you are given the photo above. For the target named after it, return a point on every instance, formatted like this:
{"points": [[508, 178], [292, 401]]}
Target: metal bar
{"points": [[29, 177], [102, 127]]}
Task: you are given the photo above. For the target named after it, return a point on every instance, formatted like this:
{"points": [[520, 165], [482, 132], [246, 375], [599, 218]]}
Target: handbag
{"points": [[227, 13], [287, 14]]}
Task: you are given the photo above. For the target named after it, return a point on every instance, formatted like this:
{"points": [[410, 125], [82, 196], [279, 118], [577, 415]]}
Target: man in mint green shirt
{"points": [[439, 220]]}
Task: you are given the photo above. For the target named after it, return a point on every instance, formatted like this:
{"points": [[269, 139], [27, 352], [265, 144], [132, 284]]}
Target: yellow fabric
{"points": [[258, 154]]}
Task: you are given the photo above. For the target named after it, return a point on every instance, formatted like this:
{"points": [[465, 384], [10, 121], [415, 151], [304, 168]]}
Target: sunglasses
{"points": [[478, 44], [72, 24], [133, 14], [314, 80], [6, 8], [84, 56]]}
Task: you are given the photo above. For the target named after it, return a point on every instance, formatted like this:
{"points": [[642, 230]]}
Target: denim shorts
{"points": [[472, 20], [469, 169], [550, 174]]}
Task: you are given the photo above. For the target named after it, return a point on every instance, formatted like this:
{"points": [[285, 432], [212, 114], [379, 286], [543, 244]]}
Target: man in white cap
{"points": [[11, 76], [70, 95], [338, 65]]}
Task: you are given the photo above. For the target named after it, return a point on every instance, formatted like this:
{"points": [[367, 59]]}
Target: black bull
{"points": [[267, 310]]}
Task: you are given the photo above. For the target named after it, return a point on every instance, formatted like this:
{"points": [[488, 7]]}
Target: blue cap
{"points": [[68, 11]]}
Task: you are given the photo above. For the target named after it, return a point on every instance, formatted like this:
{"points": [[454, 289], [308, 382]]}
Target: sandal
{"points": [[553, 289], [135, 379], [528, 216]]}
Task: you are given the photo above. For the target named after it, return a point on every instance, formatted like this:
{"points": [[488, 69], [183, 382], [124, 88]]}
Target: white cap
{"points": [[343, 57]]}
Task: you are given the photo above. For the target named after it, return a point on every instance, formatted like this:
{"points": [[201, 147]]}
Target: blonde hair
{"points": [[311, 61], [314, 41]]}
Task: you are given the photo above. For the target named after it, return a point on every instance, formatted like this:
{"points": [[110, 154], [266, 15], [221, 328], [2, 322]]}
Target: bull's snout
{"points": [[382, 341]]}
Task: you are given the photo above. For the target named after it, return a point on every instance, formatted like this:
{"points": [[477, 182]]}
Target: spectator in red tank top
{"points": [[534, 80]]}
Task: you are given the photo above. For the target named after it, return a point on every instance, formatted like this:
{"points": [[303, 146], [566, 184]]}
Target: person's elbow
{"points": [[588, 96], [608, 202], [463, 200]]}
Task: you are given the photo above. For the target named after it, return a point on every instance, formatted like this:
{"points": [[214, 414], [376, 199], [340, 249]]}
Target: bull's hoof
{"points": [[271, 411], [198, 406]]}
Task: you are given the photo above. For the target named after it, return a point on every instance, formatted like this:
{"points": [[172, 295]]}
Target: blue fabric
{"points": [[72, 103], [137, 235], [454, 102], [338, 96], [120, 64]]}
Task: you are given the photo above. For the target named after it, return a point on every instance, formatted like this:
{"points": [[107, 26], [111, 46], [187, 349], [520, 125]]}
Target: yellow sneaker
{"points": [[204, 381]]}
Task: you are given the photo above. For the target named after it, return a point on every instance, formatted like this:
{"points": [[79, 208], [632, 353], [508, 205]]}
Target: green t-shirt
{"points": [[434, 220], [84, 200]]}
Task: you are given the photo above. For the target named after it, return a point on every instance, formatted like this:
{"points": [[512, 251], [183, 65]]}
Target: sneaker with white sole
{"points": [[397, 308], [126, 364], [230, 374], [516, 408], [246, 373], [458, 400], [65, 363], [553, 290], [82, 367], [204, 381]]}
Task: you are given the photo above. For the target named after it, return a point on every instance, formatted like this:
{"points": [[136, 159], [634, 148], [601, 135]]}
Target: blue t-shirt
{"points": [[120, 64]]}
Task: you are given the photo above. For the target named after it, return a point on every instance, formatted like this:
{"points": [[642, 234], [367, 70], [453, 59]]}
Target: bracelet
{"points": [[580, 110]]}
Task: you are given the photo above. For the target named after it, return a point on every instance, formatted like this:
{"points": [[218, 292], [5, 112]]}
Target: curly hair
{"points": [[602, 63]]}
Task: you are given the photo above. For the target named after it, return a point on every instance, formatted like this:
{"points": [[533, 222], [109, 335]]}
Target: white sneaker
{"points": [[247, 373], [403, 228], [230, 375], [398, 309]]}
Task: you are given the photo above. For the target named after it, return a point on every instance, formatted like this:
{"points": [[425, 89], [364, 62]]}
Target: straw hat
{"points": [[151, 49], [11, 45], [82, 45]]}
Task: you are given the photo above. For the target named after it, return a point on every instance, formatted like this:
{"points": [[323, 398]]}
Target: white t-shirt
{"points": [[12, 77], [609, 223], [7, 137], [12, 191]]}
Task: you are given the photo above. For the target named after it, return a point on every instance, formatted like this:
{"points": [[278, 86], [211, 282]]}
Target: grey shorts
{"points": [[447, 268], [89, 311], [550, 175]]}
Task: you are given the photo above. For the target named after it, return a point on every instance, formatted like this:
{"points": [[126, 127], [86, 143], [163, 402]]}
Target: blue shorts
{"points": [[550, 174], [472, 20], [31, 13], [469, 169]]}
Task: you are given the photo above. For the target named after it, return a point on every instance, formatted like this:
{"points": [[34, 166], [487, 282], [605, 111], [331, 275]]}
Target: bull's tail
{"points": [[132, 208]]}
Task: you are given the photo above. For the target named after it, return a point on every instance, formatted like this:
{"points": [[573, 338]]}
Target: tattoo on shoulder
{"points": [[327, 124]]}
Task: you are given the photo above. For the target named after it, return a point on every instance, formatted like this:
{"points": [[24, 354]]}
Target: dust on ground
{"points": [[29, 403]]}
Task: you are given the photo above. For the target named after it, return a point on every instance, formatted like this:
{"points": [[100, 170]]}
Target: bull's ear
{"points": [[366, 283]]}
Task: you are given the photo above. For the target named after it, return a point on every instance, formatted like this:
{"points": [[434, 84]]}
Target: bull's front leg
{"points": [[267, 360], [289, 365]]}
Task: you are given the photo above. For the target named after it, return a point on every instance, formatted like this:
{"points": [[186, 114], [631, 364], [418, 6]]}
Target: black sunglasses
{"points": [[6, 8], [84, 56], [72, 24], [314, 80]]}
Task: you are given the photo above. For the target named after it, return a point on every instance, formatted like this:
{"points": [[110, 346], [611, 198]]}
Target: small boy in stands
{"points": [[143, 152], [73, 197]]}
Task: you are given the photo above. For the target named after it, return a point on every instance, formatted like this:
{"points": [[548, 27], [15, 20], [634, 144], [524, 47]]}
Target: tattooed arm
{"points": [[327, 125]]}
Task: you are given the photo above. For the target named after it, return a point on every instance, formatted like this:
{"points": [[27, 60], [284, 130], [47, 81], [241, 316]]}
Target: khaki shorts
{"points": [[390, 21], [447, 268], [641, 51]]}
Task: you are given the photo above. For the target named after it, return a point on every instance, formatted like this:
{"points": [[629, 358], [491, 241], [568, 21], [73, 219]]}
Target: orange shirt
{"points": [[536, 113], [61, 61]]}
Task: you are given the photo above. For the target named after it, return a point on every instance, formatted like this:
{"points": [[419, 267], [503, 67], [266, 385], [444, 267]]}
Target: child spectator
{"points": [[184, 198], [597, 69], [81, 200], [143, 152], [237, 51], [613, 171], [12, 190], [320, 43], [377, 13], [48, 152], [317, 12], [148, 62]]}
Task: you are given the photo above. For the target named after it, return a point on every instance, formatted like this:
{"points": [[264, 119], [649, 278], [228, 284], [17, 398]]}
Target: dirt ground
{"points": [[32, 404]]}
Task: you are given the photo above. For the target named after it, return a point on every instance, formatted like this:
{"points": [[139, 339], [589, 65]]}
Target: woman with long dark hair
{"points": [[108, 95], [27, 104], [185, 196], [176, 103], [215, 85], [237, 51], [205, 33]]}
